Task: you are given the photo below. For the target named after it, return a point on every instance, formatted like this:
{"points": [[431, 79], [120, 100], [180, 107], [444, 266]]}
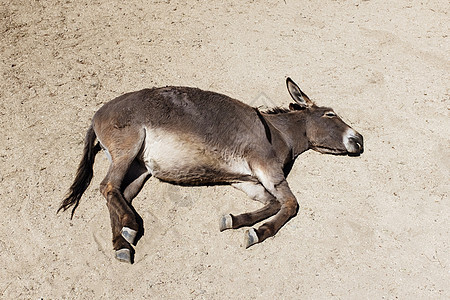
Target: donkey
{"points": [[188, 136]]}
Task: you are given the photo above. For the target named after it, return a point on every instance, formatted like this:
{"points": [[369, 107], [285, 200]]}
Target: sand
{"points": [[374, 226]]}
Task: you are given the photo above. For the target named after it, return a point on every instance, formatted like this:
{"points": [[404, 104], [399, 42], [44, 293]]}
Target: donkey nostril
{"points": [[360, 142], [360, 147], [357, 144], [353, 142]]}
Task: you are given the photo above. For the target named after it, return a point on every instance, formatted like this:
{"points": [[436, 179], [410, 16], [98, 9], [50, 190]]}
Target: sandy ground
{"points": [[373, 227]]}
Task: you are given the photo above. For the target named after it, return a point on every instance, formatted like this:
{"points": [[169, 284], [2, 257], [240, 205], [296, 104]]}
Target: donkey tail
{"points": [[84, 173]]}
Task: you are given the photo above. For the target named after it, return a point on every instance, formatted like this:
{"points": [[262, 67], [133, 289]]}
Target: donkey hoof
{"points": [[226, 222], [123, 255], [128, 234], [251, 238]]}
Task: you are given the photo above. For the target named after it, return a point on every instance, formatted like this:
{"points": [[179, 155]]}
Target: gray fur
{"points": [[188, 136]]}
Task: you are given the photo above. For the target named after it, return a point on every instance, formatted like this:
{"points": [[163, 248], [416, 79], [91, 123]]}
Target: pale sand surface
{"points": [[374, 227]]}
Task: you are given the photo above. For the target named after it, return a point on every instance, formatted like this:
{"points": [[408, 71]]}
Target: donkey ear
{"points": [[299, 97]]}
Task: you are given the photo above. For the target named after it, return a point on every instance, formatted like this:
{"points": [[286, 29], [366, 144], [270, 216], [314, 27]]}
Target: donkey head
{"points": [[325, 130]]}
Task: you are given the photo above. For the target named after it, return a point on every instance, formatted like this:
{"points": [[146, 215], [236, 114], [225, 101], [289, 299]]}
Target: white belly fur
{"points": [[176, 157]]}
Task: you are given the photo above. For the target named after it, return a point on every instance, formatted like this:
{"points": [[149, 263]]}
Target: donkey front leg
{"points": [[289, 206], [256, 192]]}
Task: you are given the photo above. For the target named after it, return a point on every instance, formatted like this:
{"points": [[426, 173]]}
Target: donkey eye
{"points": [[330, 114]]}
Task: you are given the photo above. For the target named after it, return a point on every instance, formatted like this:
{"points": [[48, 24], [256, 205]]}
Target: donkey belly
{"points": [[184, 159]]}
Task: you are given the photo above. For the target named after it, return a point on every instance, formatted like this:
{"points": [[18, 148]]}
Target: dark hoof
{"points": [[250, 238], [128, 234], [124, 255], [226, 222]]}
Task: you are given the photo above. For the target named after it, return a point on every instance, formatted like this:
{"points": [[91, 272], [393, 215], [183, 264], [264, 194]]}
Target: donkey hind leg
{"points": [[279, 188], [135, 179], [123, 219], [132, 183], [123, 250], [255, 191]]}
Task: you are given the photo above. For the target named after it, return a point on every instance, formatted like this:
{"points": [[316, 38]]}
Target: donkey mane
{"points": [[276, 110]]}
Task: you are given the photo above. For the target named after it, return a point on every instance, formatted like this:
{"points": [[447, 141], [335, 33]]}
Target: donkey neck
{"points": [[292, 128]]}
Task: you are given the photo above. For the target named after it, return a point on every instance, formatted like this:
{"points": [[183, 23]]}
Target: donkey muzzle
{"points": [[353, 142]]}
